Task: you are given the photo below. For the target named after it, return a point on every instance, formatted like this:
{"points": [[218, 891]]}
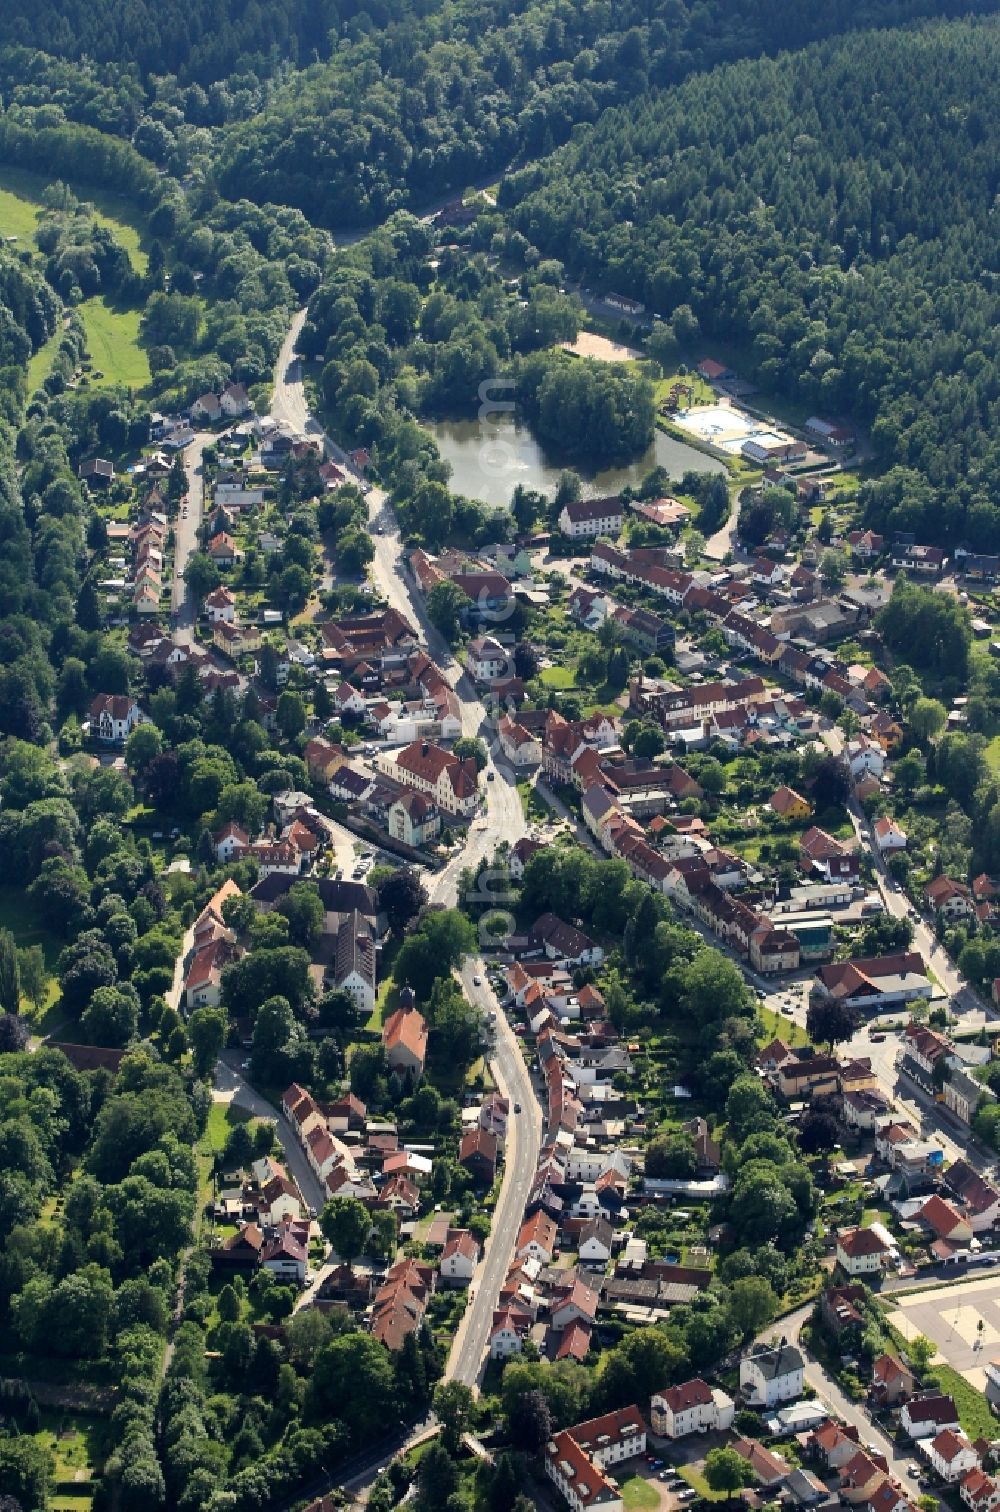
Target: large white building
{"points": [[692, 1407], [770, 1374], [592, 517]]}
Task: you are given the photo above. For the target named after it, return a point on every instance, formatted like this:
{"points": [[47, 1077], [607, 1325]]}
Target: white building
{"points": [[487, 659], [592, 517], [771, 1374], [113, 717], [861, 1252], [692, 1407], [951, 1454], [459, 1258]]}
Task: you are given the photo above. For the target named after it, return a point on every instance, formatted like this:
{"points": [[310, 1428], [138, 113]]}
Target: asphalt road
{"points": [[501, 818], [186, 529], [468, 1352], [829, 1392], [228, 1079]]}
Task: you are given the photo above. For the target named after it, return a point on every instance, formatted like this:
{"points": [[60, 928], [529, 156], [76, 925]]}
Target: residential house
{"points": [[414, 819], [768, 1469], [511, 1326], [537, 1238], [833, 860], [576, 1459], [477, 1152], [951, 1454], [486, 659], [875, 981], [460, 1257], [404, 1035], [235, 640], [889, 836], [835, 1444], [979, 1491], [235, 401], [451, 782], [692, 1407], [113, 717], [861, 1252], [810, 1076], [928, 1414], [840, 1308], [520, 745], [980, 1200], [864, 758], [241, 1251], [222, 549], [963, 1094], [594, 1243], [592, 517], [951, 901], [285, 1257], [771, 1374], [220, 605], [788, 804], [577, 1302], [207, 408], [561, 941], [861, 1477], [97, 471], [944, 1220], [892, 1382]]}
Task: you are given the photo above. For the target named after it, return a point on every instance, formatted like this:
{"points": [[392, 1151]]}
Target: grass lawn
{"points": [[973, 1409], [535, 808], [41, 364], [776, 1026], [221, 1118], [557, 677], [992, 754], [694, 1478], [78, 1444], [638, 1494], [113, 343], [19, 917]]}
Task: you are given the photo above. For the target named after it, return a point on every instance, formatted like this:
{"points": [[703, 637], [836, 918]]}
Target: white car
{"points": [[477, 981]]}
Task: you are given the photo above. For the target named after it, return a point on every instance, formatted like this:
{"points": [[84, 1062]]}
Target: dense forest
{"points": [[436, 102], [830, 212]]}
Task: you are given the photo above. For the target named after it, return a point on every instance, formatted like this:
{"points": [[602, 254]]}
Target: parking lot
{"points": [[963, 1321]]}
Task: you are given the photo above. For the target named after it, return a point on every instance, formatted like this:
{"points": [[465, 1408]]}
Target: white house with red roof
{"points": [[285, 1257], [577, 1459], [220, 606], [951, 1454], [511, 1326], [691, 1407], [427, 768], [979, 1491], [460, 1257], [113, 717], [861, 1252]]}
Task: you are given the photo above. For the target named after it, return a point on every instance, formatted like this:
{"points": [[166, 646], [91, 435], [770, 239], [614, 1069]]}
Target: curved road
{"points": [[502, 819]]}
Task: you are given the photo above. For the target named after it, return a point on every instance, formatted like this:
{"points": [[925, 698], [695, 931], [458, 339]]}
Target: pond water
{"points": [[488, 461]]}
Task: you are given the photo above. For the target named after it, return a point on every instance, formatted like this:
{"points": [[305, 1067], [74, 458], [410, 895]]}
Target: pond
{"points": [[488, 461]]}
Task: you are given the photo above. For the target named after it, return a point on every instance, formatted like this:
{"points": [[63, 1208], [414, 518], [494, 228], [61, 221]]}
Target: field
{"points": [[112, 333], [113, 342], [21, 201]]}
